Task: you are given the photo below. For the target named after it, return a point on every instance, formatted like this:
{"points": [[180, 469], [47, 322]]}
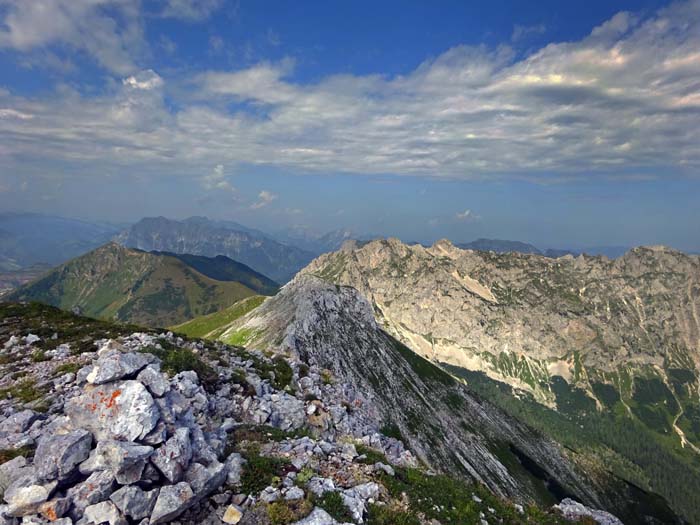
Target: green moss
{"points": [[67, 368], [304, 475], [8, 454], [39, 356], [257, 434], [391, 430], [282, 373]]}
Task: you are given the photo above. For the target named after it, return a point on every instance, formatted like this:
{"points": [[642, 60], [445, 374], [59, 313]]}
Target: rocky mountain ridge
{"points": [[125, 427], [442, 422], [31, 238], [604, 343], [527, 317]]}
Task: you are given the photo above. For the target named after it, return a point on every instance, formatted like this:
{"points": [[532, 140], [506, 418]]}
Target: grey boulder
{"points": [[26, 494], [154, 380], [125, 460], [173, 458], [205, 480], [19, 422], [135, 502], [97, 487], [116, 365], [317, 517], [104, 512], [124, 411], [172, 501], [57, 455]]}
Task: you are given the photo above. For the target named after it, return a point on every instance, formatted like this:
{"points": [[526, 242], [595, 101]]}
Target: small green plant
{"points": [[386, 515], [261, 471], [372, 455], [391, 430], [176, 360], [304, 476], [283, 373], [327, 377], [332, 503], [8, 454], [39, 356], [285, 512], [66, 368], [25, 391]]}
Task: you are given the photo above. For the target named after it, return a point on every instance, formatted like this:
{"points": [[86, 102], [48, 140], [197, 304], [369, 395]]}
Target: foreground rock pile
{"points": [[127, 446], [128, 433]]}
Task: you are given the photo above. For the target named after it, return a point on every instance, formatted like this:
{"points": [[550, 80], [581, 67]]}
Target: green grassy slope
{"points": [[222, 268], [213, 325], [149, 289]]}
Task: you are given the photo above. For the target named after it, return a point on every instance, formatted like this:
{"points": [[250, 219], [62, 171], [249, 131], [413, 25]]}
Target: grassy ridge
{"points": [[213, 325], [149, 289]]}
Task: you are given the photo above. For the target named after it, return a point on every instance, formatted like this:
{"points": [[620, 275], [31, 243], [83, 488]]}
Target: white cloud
{"points": [[111, 39], [264, 198], [467, 216], [146, 80], [12, 113], [623, 100], [216, 180], [193, 10]]}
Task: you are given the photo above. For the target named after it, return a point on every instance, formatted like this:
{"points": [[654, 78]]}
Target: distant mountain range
{"points": [[151, 289], [505, 246], [201, 236], [317, 243], [31, 238]]}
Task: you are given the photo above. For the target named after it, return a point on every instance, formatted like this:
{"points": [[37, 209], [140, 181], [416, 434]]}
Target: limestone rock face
{"points": [[521, 317], [148, 447], [123, 411]]}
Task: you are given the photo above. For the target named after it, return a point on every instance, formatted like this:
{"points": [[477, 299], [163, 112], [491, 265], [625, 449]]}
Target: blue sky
{"points": [[560, 123]]}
